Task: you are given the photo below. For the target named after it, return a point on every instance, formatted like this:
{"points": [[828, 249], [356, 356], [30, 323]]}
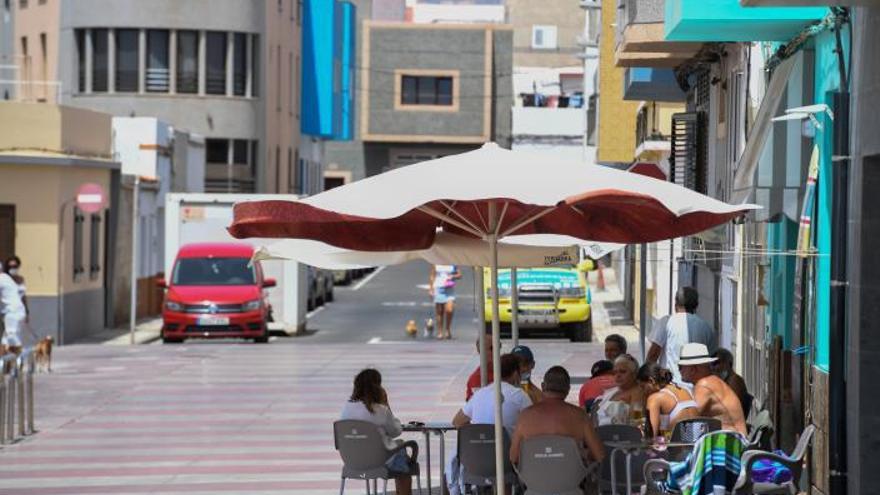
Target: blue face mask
{"points": [[525, 376]]}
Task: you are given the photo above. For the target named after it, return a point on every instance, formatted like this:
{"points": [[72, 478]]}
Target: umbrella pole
{"points": [[496, 365], [481, 325], [514, 308]]}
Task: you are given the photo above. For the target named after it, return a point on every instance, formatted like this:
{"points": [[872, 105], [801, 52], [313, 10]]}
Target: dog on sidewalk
{"points": [[43, 354]]}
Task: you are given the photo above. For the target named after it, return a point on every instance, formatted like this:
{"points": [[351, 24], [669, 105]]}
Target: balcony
{"points": [[641, 38], [548, 122], [649, 84], [653, 130], [727, 20]]}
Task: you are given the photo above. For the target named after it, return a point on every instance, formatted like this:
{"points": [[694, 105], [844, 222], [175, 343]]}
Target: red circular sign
{"points": [[90, 198]]}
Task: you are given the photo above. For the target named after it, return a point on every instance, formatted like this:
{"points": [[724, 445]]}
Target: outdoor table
{"points": [[439, 428], [628, 448]]}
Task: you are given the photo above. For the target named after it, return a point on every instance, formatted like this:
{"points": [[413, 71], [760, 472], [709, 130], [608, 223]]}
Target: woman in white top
{"points": [[668, 403], [618, 404], [441, 287], [12, 305], [369, 402]]}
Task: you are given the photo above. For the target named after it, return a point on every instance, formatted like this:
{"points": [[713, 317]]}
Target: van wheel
{"points": [[581, 331], [166, 340]]}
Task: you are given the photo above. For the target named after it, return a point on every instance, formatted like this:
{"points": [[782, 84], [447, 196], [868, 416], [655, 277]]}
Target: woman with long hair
{"points": [[369, 402], [668, 403]]}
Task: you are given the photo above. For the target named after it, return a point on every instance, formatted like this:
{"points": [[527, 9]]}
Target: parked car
{"points": [[320, 287], [214, 292]]}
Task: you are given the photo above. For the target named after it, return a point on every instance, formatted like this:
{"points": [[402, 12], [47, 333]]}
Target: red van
{"points": [[214, 292]]}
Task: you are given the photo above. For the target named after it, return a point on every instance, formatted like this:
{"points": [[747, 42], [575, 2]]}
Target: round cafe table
{"points": [[438, 428]]}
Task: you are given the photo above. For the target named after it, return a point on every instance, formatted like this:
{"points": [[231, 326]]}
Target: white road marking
{"points": [[314, 312], [368, 278], [423, 286], [375, 340], [407, 304]]}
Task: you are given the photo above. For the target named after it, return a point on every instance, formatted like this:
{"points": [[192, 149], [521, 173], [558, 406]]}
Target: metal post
{"points": [[481, 325], [496, 347], [20, 398], [514, 307], [30, 393], [132, 320], [4, 400], [643, 294]]}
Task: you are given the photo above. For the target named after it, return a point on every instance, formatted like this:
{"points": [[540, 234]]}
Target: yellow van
{"points": [[550, 299]]}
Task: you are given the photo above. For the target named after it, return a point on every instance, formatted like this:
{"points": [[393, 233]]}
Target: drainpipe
{"points": [[839, 285]]}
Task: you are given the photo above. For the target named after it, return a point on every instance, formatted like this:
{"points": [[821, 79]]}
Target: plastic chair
{"points": [[476, 455], [762, 432], [654, 467], [689, 431], [616, 433], [744, 484], [551, 465], [364, 454]]}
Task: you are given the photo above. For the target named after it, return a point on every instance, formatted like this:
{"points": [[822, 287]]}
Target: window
{"points": [[126, 60], [95, 247], [544, 37], [240, 152], [215, 63], [255, 62], [426, 90], [187, 62], [217, 150], [158, 55], [100, 60], [81, 60], [43, 58], [239, 64], [78, 221], [213, 271]]}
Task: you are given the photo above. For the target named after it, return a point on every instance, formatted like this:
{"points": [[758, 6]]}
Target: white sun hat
{"points": [[695, 353]]}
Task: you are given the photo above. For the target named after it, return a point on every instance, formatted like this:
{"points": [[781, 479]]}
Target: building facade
{"points": [[63, 248], [223, 69]]}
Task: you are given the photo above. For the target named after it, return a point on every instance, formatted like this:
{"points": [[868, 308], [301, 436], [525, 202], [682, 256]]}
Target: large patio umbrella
{"points": [[488, 194]]}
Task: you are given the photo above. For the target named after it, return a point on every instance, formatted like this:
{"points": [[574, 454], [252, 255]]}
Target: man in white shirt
{"points": [[480, 409], [682, 327], [13, 310]]}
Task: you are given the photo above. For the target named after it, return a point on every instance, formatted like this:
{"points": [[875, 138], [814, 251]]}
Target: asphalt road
{"points": [[379, 305]]}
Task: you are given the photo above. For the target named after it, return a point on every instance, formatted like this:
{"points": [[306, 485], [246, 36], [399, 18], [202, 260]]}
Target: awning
{"points": [[648, 169], [747, 165]]}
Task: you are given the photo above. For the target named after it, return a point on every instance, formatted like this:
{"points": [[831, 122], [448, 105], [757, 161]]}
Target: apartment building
{"points": [[224, 69]]}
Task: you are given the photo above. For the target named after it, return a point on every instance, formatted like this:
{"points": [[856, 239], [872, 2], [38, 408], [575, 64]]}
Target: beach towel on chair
{"points": [[711, 468]]}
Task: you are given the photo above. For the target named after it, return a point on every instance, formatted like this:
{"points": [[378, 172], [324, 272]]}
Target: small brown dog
{"points": [[43, 354], [411, 328]]}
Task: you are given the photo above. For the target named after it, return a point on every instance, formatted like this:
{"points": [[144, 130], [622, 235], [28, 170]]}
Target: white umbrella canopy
{"points": [[448, 248], [489, 194]]}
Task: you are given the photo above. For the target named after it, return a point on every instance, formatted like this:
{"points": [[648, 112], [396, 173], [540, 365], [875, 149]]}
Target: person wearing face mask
{"points": [[12, 306], [527, 365], [723, 367]]}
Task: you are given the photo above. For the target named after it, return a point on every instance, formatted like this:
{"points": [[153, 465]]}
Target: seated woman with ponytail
{"points": [[667, 402]]}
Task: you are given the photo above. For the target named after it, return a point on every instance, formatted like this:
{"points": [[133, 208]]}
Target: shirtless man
{"points": [[554, 416], [714, 397]]}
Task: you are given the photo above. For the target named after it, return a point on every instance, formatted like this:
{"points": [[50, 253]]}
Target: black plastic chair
{"points": [[617, 433], [689, 431], [364, 454]]}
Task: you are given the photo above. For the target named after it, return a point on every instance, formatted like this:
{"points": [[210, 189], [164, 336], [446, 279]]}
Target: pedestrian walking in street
{"points": [[12, 305], [441, 287], [715, 399], [615, 346], [527, 366], [369, 402], [680, 328], [667, 402]]}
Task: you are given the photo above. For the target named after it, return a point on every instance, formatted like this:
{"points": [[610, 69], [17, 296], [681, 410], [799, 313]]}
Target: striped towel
{"points": [[711, 468]]}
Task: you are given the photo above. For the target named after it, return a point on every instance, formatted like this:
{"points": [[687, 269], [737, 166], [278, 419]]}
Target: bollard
{"points": [[10, 408], [3, 401], [20, 398], [30, 394]]}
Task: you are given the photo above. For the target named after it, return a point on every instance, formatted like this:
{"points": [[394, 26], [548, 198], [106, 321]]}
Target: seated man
{"points": [[714, 397], [554, 416], [473, 382], [526, 366], [480, 409], [724, 369]]}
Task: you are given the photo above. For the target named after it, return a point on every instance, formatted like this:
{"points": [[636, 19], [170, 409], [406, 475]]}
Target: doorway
{"points": [[7, 231]]}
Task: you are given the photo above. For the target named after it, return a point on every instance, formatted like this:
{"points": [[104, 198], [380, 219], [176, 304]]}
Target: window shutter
{"points": [[688, 158]]}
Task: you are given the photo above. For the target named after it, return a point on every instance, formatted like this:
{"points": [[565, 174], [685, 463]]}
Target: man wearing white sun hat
{"points": [[714, 397]]}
